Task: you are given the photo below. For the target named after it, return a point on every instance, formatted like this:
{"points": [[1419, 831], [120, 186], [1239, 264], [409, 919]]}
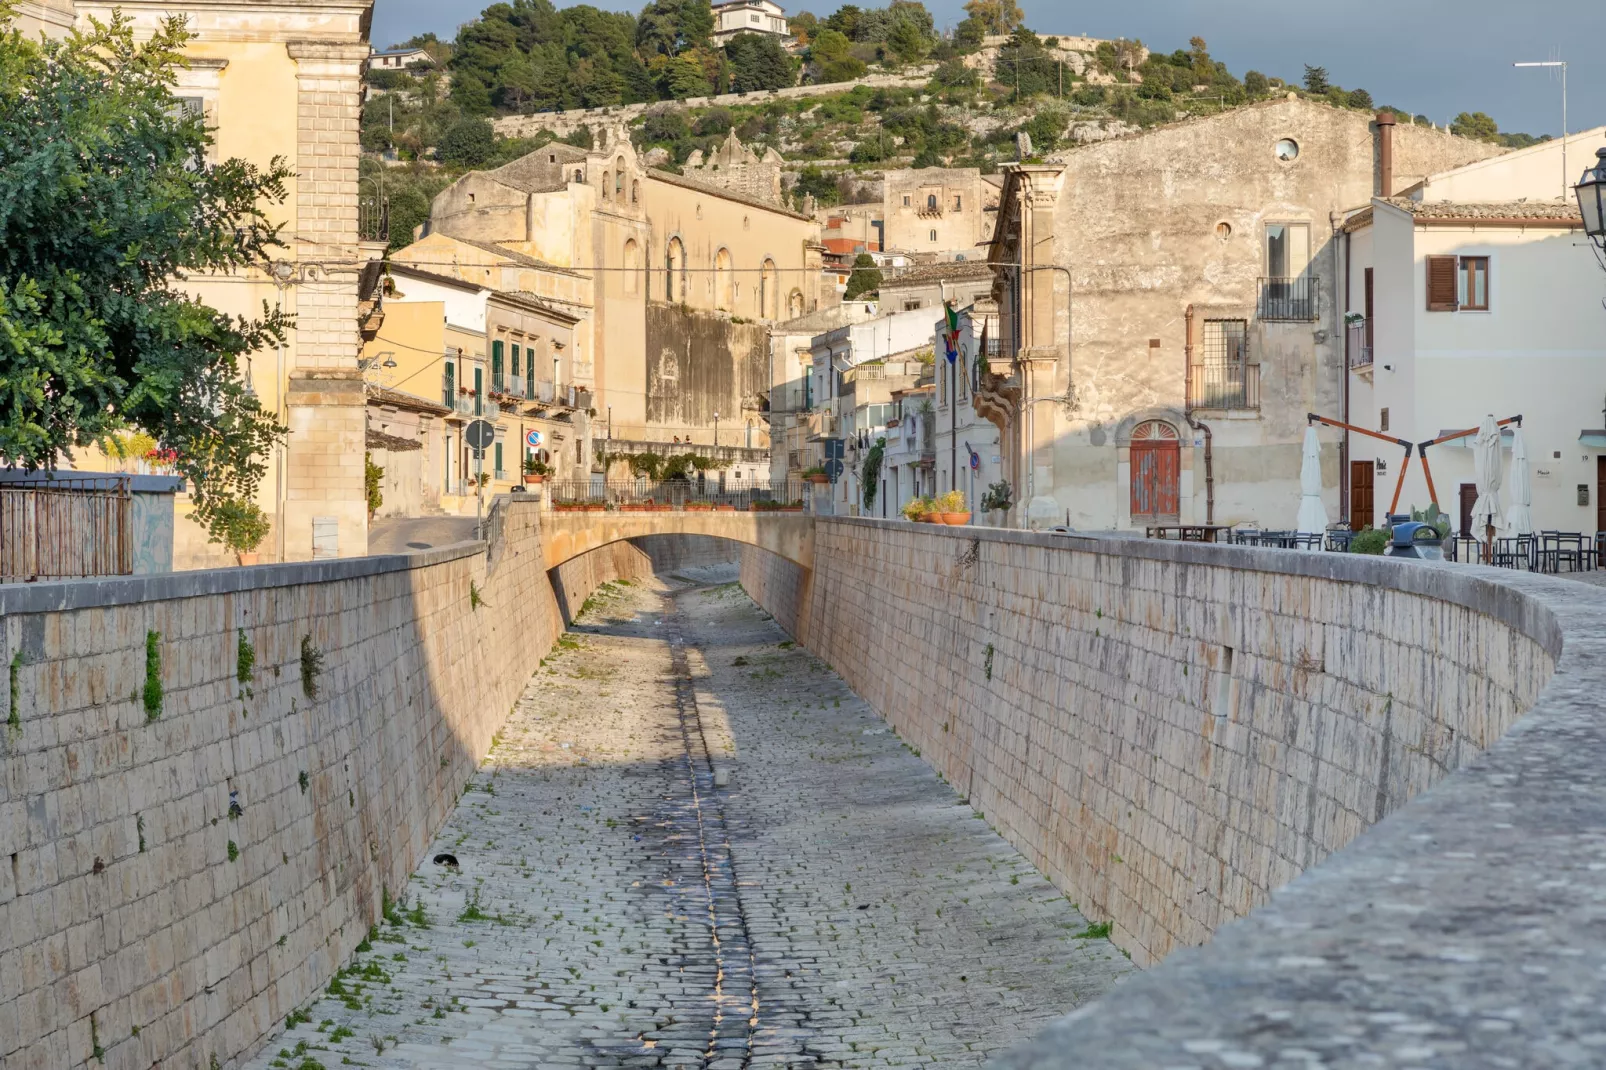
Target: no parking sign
{"points": [[533, 438]]}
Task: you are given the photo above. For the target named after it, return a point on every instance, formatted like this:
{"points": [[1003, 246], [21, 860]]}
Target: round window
{"points": [[1223, 230], [1288, 149]]}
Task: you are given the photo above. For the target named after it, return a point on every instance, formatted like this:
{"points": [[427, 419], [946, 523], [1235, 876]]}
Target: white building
{"points": [[1478, 294], [968, 455], [399, 59], [749, 16]]}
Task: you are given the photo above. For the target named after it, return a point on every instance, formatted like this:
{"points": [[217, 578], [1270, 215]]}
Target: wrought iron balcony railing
{"points": [[1289, 299]]}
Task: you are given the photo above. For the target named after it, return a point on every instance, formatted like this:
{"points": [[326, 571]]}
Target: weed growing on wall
{"points": [[311, 667], [474, 599], [234, 851], [245, 659], [14, 718], [139, 827], [987, 661], [304, 781], [153, 675]]}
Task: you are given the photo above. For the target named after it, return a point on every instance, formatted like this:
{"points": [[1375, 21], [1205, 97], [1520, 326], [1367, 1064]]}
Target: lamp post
{"points": [[1591, 191], [716, 430]]}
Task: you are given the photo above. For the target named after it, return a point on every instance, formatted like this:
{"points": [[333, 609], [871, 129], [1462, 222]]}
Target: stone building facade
{"points": [[1169, 312], [943, 210], [660, 271]]}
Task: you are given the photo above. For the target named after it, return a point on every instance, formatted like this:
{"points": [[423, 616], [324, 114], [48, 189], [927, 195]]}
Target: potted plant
{"points": [[916, 509], [816, 475], [724, 507], [996, 502], [795, 507], [699, 506], [241, 526], [951, 508], [535, 471]]}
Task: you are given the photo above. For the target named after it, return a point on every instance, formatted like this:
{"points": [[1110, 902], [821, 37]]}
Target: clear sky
{"points": [[1435, 57]]}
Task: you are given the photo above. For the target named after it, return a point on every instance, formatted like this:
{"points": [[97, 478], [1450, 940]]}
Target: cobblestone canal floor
{"points": [[834, 905]]}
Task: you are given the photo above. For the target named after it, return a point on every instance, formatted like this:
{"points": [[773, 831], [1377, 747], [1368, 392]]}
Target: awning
{"points": [[1466, 441], [1597, 439]]}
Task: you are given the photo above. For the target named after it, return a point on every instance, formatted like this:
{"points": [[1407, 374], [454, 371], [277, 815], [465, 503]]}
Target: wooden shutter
{"points": [[1441, 284]]}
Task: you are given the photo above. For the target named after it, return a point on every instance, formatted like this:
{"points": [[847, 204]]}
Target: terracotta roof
{"points": [[720, 191], [946, 272], [1359, 220], [1540, 211], [533, 175], [401, 399]]}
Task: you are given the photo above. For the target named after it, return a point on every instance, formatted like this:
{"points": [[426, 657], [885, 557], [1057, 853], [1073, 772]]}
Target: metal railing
{"points": [[642, 495], [1358, 342], [1291, 299], [1224, 386], [480, 408], [72, 527]]}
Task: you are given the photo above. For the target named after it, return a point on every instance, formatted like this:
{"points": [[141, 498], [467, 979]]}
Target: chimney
{"points": [[1385, 153]]}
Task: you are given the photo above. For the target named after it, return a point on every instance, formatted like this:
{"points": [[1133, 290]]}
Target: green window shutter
{"points": [[498, 456], [449, 386], [529, 376], [479, 391], [496, 365]]}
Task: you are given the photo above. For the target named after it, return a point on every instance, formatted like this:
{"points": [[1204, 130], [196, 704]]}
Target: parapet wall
{"points": [[1168, 731], [197, 875]]}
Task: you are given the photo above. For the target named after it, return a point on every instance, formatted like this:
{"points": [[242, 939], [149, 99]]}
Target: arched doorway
{"points": [[675, 272], [632, 267], [1156, 463], [794, 304]]}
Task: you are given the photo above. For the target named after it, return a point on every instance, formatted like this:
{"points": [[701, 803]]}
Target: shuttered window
{"points": [[1442, 284]]}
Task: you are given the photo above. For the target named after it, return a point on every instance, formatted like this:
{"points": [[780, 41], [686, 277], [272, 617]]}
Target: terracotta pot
{"points": [[595, 507], [722, 508], [956, 519], [790, 509], [533, 477], [248, 559], [819, 477], [699, 508]]}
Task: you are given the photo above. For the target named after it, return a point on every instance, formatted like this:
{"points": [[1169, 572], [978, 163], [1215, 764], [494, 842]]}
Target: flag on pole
{"points": [[950, 337]]}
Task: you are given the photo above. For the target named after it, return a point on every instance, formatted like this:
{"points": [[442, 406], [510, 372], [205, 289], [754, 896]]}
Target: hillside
{"points": [[860, 90]]}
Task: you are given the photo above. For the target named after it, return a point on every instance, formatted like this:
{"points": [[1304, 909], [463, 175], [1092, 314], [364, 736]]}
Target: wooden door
{"points": [[1360, 494], [1469, 499], [1156, 462]]}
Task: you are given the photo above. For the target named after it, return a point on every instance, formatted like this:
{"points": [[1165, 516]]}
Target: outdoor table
{"points": [[1516, 552], [1559, 546]]}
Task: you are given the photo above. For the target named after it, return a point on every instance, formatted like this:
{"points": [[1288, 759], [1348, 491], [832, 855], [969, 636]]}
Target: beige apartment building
{"points": [[947, 211], [283, 82], [670, 280], [1170, 309]]}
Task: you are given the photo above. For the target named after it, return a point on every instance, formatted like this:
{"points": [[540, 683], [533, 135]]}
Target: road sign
{"points": [[833, 468], [833, 447], [533, 437], [479, 434]]}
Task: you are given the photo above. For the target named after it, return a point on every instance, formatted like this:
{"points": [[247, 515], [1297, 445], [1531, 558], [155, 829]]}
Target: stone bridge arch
{"points": [[790, 536]]}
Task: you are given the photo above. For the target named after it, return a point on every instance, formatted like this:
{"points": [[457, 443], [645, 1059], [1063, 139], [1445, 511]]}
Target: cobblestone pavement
{"points": [[834, 905]]}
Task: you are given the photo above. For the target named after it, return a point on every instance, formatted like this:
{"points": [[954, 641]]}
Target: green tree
{"points": [[687, 78], [1025, 67], [866, 278], [1316, 80], [907, 42], [1255, 83], [832, 59], [758, 62], [1358, 98], [469, 143], [995, 16], [968, 35], [1475, 125], [107, 203]]}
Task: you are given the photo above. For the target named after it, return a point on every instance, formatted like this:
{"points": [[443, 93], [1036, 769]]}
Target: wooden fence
{"points": [[66, 528]]}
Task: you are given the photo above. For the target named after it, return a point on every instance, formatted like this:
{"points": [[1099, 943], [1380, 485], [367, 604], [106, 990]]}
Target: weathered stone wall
{"points": [[131, 896], [1168, 731]]}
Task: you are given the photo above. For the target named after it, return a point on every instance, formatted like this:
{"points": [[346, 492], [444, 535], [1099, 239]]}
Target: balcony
{"points": [[1358, 346], [476, 408], [1291, 300], [1224, 386]]}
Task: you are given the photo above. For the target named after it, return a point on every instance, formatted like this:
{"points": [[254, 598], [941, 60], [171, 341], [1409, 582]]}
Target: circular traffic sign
{"points": [[533, 437], [479, 434]]}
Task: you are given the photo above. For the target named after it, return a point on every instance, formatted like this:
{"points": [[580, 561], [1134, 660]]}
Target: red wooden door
{"points": [[1156, 472], [1360, 494]]}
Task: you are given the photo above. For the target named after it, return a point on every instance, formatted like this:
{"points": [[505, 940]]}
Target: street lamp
{"points": [[716, 430], [1591, 190]]}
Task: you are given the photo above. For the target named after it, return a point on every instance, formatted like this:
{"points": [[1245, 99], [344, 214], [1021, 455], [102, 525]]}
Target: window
{"points": [[675, 272], [906, 200], [1383, 418], [910, 306], [1287, 249], [605, 184], [931, 202], [933, 235], [496, 365], [752, 18], [1222, 376], [635, 190], [1472, 284], [619, 177], [579, 175], [1287, 150], [632, 267], [958, 202]]}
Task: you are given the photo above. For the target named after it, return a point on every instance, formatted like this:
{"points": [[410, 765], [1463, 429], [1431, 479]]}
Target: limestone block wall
{"points": [[1168, 731], [174, 882]]}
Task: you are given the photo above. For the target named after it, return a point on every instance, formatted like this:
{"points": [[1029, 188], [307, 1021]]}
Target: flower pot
{"points": [[699, 508], [818, 477], [956, 519], [248, 559], [790, 509], [532, 477], [723, 508]]}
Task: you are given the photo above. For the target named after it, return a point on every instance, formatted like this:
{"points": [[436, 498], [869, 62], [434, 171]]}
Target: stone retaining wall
{"points": [[1168, 731], [196, 875]]}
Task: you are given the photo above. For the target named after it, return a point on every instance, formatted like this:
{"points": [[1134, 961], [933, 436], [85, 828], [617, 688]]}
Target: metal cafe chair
{"points": [[1516, 551]]}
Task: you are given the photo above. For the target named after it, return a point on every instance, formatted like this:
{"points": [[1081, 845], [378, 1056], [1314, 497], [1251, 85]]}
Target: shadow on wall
{"points": [[575, 579], [1169, 732], [239, 765]]}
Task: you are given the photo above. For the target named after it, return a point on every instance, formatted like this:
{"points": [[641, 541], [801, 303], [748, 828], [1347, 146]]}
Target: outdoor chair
{"points": [[1514, 552]]}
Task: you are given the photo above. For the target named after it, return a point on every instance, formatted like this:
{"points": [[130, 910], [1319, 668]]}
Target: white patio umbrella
{"points": [[1519, 516], [1486, 459], [1312, 513]]}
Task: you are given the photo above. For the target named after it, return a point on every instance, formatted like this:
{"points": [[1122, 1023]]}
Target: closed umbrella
{"points": [[1519, 517], [1312, 513], [1486, 459]]}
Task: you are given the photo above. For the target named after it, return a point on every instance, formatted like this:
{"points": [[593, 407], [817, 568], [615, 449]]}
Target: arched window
{"points": [[635, 191], [619, 177], [931, 202], [579, 175], [632, 267], [605, 177], [769, 295], [724, 281], [794, 304], [675, 272]]}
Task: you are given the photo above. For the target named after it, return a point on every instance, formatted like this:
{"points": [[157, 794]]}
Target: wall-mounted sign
{"points": [[533, 437]]}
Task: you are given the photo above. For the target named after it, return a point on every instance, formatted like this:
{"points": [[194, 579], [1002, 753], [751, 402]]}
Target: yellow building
{"points": [[672, 281], [283, 80]]}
